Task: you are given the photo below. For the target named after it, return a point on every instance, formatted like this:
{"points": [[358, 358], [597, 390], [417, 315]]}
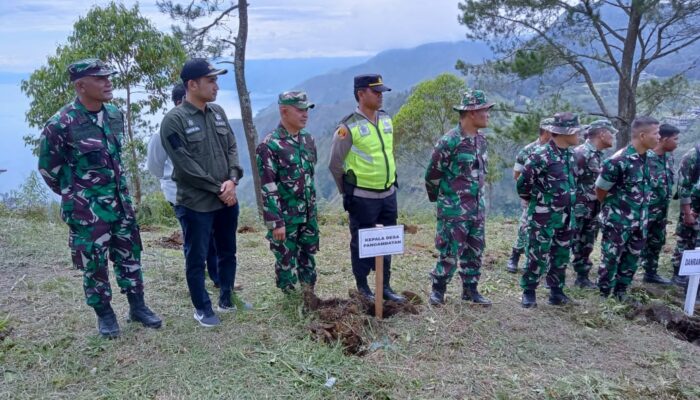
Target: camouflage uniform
{"points": [[79, 158], [688, 193], [520, 160], [624, 216], [455, 179], [587, 164], [661, 170], [547, 182], [286, 166]]}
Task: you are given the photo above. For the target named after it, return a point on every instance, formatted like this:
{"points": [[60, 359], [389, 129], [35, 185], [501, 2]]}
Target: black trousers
{"points": [[366, 213]]}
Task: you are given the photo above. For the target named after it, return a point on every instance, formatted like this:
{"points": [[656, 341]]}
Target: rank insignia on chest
{"points": [[217, 116], [190, 122], [364, 130]]}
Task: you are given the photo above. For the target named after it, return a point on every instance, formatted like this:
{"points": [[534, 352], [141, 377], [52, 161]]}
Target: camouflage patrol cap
{"points": [[473, 100], [545, 122], [563, 124], [601, 124], [297, 99], [89, 67]]}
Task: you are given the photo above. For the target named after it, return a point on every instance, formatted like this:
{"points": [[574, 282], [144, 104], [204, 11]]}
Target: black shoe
{"points": [[366, 292], [107, 324], [584, 283], [655, 278], [558, 298], [512, 266], [529, 299], [681, 281], [390, 295], [437, 296], [139, 312], [470, 293]]}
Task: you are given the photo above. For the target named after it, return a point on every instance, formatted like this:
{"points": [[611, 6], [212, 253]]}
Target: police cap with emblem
{"points": [[372, 81], [198, 67]]}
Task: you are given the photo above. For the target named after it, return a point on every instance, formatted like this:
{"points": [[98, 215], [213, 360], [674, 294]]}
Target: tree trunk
{"points": [[626, 95], [133, 165], [251, 133]]}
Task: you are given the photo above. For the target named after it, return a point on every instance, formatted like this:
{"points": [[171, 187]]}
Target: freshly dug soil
{"points": [[346, 320]]}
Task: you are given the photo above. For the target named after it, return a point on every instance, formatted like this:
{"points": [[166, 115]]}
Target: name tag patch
{"points": [[192, 129], [220, 123]]}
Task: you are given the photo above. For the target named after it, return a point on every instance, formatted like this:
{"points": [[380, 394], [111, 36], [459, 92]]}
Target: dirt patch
{"points": [[174, 241], [247, 229], [680, 325], [346, 320]]}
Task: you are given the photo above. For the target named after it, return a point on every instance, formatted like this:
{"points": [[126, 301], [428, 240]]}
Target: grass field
{"points": [[49, 347]]}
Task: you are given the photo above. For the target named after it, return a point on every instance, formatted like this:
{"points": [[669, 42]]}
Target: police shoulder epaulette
{"points": [[347, 118]]}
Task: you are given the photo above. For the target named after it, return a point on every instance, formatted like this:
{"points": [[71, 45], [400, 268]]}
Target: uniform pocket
{"points": [[90, 154]]}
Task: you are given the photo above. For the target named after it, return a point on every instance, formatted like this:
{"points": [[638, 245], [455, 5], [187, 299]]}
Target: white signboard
{"points": [[381, 241], [690, 264]]}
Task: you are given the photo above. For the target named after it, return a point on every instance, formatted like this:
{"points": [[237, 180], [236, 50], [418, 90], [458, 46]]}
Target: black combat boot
{"points": [[512, 266], [557, 297], [583, 282], [139, 312], [437, 296], [470, 293], [363, 288], [529, 299], [604, 293], [107, 324], [655, 278], [389, 293]]}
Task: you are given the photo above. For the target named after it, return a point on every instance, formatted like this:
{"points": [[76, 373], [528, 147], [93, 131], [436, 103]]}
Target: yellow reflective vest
{"points": [[370, 163]]}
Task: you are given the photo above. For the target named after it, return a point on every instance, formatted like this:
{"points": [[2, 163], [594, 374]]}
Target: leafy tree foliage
{"points": [[147, 62], [587, 37]]}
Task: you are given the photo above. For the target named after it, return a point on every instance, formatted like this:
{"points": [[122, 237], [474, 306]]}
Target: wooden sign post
{"points": [[379, 242], [690, 267]]}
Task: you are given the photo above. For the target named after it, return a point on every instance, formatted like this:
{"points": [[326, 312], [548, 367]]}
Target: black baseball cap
{"points": [[372, 81], [198, 67]]}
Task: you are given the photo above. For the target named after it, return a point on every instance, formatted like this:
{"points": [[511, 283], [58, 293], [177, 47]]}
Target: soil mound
{"points": [[346, 320]]}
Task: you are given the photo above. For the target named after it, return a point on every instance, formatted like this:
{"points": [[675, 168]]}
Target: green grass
{"points": [[589, 350]]}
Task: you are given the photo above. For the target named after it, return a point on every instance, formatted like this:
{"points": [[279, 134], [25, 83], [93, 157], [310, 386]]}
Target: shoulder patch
{"points": [[341, 132]]}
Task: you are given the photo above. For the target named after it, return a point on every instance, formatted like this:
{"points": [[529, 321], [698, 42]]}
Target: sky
{"points": [[31, 30]]}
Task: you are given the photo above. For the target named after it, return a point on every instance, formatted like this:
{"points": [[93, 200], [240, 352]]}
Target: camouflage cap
{"points": [[563, 124], [602, 123], [89, 67], [297, 99], [545, 122], [473, 100]]}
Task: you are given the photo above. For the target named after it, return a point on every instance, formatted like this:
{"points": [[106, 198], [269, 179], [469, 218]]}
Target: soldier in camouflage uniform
{"points": [[661, 170], [624, 190], [520, 159], [689, 195], [286, 160], [455, 179], [547, 183], [600, 135], [80, 160]]}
